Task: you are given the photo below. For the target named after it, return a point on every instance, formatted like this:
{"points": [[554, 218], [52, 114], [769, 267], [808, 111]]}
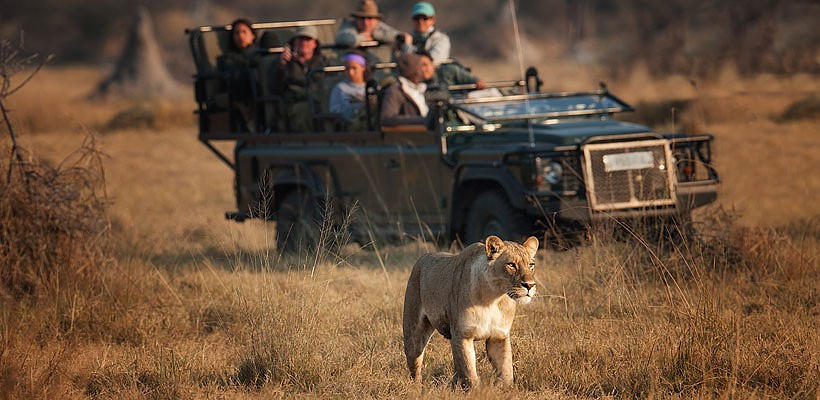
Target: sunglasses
{"points": [[421, 17]]}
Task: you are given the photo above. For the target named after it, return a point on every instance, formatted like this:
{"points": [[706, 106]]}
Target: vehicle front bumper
{"points": [[689, 195]]}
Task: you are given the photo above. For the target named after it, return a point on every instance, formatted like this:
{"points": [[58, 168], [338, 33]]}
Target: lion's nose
{"points": [[528, 285]]}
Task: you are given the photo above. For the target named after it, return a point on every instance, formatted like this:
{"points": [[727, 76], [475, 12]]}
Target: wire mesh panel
{"points": [[629, 175]]}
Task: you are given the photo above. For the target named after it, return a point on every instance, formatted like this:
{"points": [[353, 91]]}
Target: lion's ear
{"points": [[494, 247], [532, 245]]}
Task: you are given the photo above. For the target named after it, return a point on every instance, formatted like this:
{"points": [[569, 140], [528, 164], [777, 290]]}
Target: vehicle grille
{"points": [[629, 175]]}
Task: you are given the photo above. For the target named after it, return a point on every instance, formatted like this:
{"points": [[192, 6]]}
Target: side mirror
{"points": [[532, 74]]}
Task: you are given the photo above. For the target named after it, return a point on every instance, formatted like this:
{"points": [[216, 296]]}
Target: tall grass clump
{"points": [[53, 237]]}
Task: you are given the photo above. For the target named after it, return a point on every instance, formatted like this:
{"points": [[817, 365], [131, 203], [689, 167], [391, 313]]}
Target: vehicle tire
{"points": [[297, 225], [675, 230], [492, 214]]}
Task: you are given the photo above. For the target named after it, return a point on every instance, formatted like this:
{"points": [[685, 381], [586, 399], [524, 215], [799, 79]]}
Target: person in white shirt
{"points": [[403, 101]]}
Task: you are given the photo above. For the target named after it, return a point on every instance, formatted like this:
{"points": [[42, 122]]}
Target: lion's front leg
{"points": [[499, 352], [464, 362]]}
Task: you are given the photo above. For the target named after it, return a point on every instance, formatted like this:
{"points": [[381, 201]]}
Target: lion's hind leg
{"points": [[415, 341], [416, 328]]}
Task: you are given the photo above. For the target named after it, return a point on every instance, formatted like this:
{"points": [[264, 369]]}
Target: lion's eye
{"points": [[511, 267], [532, 266]]}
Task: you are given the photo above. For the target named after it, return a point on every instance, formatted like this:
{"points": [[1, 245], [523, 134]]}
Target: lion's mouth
{"points": [[520, 297]]}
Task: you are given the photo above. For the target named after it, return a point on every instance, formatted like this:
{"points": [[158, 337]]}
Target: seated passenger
{"points": [[403, 102], [446, 74], [235, 65], [348, 96], [365, 24], [300, 55], [425, 36]]}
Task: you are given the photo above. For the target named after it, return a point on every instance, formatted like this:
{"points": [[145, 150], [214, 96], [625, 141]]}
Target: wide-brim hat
{"points": [[367, 9]]}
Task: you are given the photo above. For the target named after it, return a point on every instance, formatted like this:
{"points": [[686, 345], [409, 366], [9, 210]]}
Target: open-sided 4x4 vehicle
{"points": [[515, 163]]}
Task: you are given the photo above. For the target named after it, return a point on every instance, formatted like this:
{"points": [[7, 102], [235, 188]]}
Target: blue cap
{"points": [[424, 8]]}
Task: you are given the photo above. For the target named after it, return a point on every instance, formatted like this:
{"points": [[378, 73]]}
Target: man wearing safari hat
{"points": [[365, 23], [425, 36]]}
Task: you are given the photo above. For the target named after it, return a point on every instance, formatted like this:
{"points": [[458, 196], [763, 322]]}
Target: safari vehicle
{"points": [[517, 163]]}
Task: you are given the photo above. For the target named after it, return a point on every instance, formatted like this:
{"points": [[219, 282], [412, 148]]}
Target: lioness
{"points": [[467, 297]]}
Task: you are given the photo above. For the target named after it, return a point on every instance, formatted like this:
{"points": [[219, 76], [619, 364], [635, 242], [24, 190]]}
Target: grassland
{"points": [[188, 305]]}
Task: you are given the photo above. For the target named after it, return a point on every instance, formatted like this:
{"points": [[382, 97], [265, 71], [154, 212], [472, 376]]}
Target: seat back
{"points": [[215, 108], [320, 84], [270, 107], [210, 86]]}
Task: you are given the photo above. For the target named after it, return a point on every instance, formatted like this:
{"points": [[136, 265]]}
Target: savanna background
{"points": [[121, 279]]}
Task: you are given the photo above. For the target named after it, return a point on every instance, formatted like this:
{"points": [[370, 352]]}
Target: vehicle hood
{"points": [[576, 132], [557, 134]]}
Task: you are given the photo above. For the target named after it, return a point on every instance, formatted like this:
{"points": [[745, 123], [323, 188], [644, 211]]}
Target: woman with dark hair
{"points": [[403, 102], [235, 65]]}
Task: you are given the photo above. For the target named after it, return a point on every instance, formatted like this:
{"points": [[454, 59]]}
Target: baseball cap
{"points": [[424, 8]]}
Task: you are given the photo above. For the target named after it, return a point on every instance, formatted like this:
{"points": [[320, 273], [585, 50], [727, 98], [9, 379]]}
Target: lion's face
{"points": [[512, 267]]}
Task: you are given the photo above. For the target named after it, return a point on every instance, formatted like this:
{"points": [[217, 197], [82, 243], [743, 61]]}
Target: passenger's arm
{"points": [[439, 47], [385, 33], [348, 35], [340, 103]]}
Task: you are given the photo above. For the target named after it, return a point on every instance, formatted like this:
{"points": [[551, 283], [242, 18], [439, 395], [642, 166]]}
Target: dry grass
{"points": [[197, 307], [58, 101]]}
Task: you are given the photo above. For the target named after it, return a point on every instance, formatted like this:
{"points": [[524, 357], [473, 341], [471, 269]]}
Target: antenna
{"points": [[518, 47], [520, 52]]}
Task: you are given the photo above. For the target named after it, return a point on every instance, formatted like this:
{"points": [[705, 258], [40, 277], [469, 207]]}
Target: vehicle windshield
{"points": [[519, 107]]}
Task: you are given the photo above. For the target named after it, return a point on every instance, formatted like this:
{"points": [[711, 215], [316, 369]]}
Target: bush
{"points": [[52, 221], [806, 108]]}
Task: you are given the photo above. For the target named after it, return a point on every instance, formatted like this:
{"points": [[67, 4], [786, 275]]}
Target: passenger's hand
{"points": [[479, 84], [287, 55], [408, 38]]}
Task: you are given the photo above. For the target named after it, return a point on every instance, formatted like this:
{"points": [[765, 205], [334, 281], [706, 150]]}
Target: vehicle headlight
{"points": [[550, 173], [553, 173]]}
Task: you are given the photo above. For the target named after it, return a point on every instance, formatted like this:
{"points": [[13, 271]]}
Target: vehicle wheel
{"points": [[492, 214], [671, 231], [675, 230], [297, 226]]}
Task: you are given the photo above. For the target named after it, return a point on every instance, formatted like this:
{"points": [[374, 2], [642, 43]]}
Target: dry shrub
{"points": [[52, 222], [729, 312], [756, 251], [151, 115], [806, 108]]}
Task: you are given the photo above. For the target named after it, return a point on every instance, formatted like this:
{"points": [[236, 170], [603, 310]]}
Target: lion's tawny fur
{"points": [[467, 297]]}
